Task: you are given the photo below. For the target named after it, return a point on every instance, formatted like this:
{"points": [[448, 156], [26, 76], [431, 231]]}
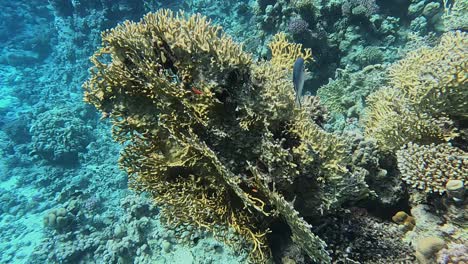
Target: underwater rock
{"points": [[454, 253], [18, 129], [426, 220], [19, 57], [455, 190], [427, 248], [405, 220], [58, 136], [59, 219]]}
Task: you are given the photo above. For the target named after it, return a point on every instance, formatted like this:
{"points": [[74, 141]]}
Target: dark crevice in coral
{"points": [[279, 239], [384, 211], [461, 141], [397, 8], [175, 173]]}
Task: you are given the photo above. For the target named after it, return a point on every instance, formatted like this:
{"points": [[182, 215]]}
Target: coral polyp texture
{"points": [[429, 168], [215, 137], [428, 94]]}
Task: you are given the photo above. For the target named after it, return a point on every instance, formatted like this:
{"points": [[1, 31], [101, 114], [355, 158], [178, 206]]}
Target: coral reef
{"points": [[345, 95], [359, 8], [318, 112], [298, 26], [453, 253], [294, 186], [393, 122], [427, 248], [405, 220], [428, 92], [59, 219], [435, 79], [180, 94], [132, 233], [58, 136], [455, 15], [284, 53], [455, 190], [429, 168], [355, 236]]}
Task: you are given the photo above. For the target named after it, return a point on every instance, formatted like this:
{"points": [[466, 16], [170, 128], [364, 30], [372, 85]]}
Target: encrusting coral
{"points": [[215, 137]]}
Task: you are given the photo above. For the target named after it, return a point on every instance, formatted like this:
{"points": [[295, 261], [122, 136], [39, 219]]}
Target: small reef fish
{"points": [[298, 78], [196, 91]]}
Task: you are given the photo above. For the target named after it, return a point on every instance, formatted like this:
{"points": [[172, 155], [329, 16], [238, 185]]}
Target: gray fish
{"points": [[298, 78]]}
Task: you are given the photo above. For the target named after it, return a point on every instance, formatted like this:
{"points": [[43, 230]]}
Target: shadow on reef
{"points": [[214, 136]]}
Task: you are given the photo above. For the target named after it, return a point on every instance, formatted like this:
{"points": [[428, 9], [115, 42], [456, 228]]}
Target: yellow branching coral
{"points": [[393, 122], [300, 229], [429, 168], [436, 79], [456, 14], [284, 53], [331, 149], [194, 111], [429, 90]]}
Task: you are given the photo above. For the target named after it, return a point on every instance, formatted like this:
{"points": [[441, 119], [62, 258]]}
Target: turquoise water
{"points": [[400, 196]]}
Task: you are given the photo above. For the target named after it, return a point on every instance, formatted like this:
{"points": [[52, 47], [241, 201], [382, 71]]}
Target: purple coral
{"points": [[298, 26], [359, 7]]}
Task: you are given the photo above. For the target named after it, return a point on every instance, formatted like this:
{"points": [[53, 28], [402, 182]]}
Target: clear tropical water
{"points": [[394, 193]]}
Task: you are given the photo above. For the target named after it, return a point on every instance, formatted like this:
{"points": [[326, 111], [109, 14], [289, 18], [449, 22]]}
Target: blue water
{"points": [[63, 197]]}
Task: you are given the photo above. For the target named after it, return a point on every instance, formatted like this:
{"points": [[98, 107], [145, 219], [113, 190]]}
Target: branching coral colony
{"points": [[425, 107], [215, 137]]}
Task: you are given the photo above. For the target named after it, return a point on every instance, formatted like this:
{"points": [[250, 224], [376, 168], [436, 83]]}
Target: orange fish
{"points": [[196, 91]]}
